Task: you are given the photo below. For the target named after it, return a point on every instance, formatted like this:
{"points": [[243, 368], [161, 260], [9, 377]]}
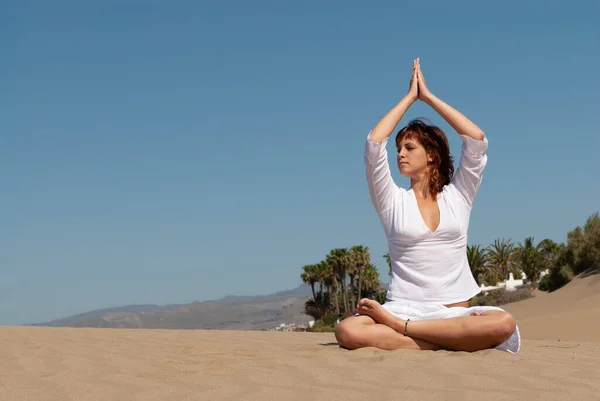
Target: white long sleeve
{"points": [[427, 266]]}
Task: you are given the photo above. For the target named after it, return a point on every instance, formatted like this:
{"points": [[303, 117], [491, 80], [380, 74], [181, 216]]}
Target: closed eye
{"points": [[407, 148]]}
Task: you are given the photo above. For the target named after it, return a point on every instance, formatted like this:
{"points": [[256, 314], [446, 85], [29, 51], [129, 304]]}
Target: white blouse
{"points": [[427, 266]]}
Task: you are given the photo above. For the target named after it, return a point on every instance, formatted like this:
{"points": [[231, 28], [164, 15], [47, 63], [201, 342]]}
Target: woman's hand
{"points": [[413, 89], [424, 93]]}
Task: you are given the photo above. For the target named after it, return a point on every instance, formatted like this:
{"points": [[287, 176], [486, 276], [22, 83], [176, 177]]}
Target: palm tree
{"points": [[477, 259], [317, 307], [361, 259], [549, 249], [529, 258], [328, 277], [500, 256], [310, 277], [353, 275], [370, 281], [555, 254], [339, 259]]}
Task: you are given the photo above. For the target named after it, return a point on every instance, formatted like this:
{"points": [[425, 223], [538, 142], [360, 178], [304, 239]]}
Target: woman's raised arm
{"points": [[473, 156], [387, 124], [458, 121], [382, 188]]}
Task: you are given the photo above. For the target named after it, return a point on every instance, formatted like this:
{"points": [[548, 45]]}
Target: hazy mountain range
{"points": [[231, 312]]}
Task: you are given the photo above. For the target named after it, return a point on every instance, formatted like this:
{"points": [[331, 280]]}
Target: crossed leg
{"points": [[362, 331], [376, 327]]}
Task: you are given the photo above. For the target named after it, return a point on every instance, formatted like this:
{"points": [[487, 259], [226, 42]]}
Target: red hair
{"points": [[435, 142]]}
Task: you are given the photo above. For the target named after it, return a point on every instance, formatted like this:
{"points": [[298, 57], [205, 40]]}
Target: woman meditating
{"points": [[426, 227]]}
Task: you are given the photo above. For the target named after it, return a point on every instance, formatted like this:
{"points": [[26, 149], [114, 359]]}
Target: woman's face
{"points": [[412, 158]]}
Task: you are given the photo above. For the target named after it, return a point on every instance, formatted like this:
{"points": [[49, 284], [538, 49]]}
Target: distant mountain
{"points": [[98, 313], [301, 291], [231, 312]]}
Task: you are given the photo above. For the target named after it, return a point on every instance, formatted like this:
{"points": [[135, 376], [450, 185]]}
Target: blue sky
{"points": [[166, 152]]}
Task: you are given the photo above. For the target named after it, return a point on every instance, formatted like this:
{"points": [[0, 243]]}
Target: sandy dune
{"points": [[560, 359]]}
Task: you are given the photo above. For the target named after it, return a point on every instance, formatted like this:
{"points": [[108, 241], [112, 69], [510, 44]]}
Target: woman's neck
{"points": [[420, 187]]}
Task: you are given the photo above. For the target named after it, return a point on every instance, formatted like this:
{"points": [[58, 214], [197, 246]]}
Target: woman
{"points": [[426, 227]]}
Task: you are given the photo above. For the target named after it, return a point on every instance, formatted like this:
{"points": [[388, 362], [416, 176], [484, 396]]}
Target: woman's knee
{"points": [[349, 333], [504, 326]]}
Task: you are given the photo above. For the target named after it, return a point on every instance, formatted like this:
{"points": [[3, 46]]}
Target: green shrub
{"points": [[501, 297], [322, 327], [328, 320], [556, 278]]}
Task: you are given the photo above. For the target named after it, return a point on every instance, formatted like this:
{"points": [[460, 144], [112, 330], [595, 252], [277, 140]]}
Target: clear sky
{"points": [[167, 152]]}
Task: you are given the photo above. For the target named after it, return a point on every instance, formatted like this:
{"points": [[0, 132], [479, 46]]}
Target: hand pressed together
{"points": [[424, 92], [418, 87], [413, 89]]}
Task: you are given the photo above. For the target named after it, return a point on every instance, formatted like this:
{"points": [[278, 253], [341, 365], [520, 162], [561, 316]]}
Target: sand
{"points": [[559, 358]]}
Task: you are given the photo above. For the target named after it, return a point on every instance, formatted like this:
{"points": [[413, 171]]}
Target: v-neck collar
{"points": [[439, 196]]}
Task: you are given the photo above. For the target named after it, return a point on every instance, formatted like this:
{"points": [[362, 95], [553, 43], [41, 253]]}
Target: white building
{"points": [[510, 285]]}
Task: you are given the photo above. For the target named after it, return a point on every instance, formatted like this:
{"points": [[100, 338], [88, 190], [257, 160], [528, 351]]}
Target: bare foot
{"points": [[374, 310]]}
